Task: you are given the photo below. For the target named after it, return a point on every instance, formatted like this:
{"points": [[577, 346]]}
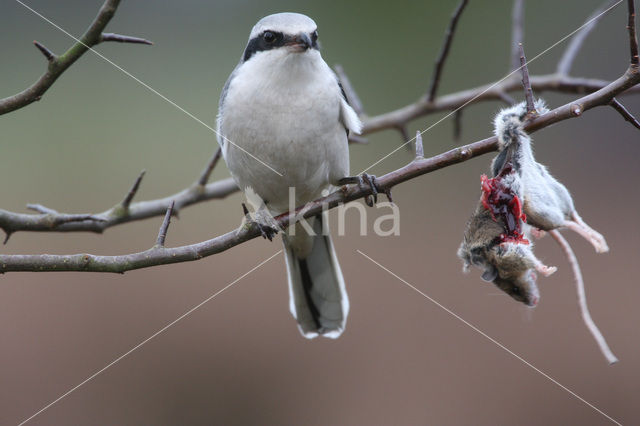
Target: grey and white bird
{"points": [[283, 106]]}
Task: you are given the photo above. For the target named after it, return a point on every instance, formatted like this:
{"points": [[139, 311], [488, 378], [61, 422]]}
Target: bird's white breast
{"points": [[284, 108]]}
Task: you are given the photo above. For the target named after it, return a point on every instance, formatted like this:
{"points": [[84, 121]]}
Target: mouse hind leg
{"points": [[581, 228]]}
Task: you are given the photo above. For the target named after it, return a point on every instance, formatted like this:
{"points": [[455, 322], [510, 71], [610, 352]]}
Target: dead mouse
{"points": [[547, 204], [507, 262]]}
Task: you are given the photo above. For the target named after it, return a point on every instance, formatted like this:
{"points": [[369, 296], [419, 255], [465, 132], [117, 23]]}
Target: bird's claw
{"points": [[371, 182]]}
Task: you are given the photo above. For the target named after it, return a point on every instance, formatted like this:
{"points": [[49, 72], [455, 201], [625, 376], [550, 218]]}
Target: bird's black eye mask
{"points": [[268, 40]]}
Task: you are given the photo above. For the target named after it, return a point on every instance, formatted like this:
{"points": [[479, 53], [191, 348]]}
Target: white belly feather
{"points": [[290, 118]]}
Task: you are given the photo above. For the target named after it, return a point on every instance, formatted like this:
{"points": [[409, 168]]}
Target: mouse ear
{"points": [[490, 273]]}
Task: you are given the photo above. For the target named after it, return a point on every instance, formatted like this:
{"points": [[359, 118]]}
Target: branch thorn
{"points": [[206, 173], [162, 233], [124, 39], [624, 113], [633, 39], [41, 209], [517, 32], [46, 52], [444, 51], [132, 192], [531, 109], [404, 133]]}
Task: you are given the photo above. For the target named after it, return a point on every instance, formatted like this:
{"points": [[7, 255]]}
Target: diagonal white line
{"points": [[473, 327], [189, 312], [145, 85], [493, 85]]}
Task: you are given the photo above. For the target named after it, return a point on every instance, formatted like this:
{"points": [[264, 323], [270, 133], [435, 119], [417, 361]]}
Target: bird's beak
{"points": [[299, 43]]}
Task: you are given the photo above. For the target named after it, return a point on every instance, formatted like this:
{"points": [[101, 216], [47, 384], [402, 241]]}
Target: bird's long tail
{"points": [[317, 295]]}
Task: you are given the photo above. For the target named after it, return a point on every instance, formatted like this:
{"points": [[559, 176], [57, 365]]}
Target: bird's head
{"points": [[282, 34]]}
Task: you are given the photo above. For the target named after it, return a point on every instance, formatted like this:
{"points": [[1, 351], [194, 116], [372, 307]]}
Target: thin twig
{"points": [[206, 173], [41, 209], [517, 32], [444, 51], [124, 39], [404, 134], [59, 64], [528, 93], [625, 113], [46, 52], [357, 139], [162, 233], [633, 39], [132, 192], [582, 298], [506, 99], [457, 125], [565, 63], [349, 91]]}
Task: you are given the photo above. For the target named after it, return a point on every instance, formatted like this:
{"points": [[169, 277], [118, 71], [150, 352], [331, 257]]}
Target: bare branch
{"points": [[444, 52], [404, 134], [162, 233], [582, 298], [206, 173], [528, 93], [517, 32], [457, 125], [633, 39], [132, 192], [59, 64], [419, 145], [349, 91], [41, 209], [419, 166], [124, 39], [12, 222], [46, 52], [565, 63], [506, 99], [353, 138], [624, 113], [488, 92]]}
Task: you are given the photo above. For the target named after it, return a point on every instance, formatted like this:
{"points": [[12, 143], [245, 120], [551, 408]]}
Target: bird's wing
{"points": [[223, 96], [348, 116]]}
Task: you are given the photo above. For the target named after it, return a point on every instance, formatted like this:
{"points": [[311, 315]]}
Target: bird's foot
{"points": [[263, 220], [366, 179]]}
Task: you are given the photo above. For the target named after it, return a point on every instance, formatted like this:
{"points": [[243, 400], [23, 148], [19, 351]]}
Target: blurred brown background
{"points": [[240, 359]]}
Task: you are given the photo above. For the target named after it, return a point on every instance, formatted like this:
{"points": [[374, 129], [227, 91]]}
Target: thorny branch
{"points": [[528, 92], [59, 64], [517, 33], [599, 93], [444, 52], [569, 56]]}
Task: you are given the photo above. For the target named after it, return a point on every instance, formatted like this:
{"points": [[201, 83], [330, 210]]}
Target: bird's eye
{"points": [[314, 36], [269, 37]]}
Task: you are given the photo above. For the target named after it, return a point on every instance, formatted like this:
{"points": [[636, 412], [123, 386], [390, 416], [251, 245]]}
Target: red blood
{"points": [[503, 203]]}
